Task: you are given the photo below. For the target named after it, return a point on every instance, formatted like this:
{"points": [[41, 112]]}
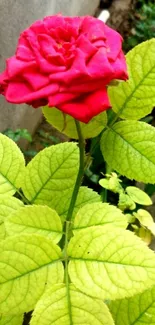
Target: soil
{"points": [[121, 16]]}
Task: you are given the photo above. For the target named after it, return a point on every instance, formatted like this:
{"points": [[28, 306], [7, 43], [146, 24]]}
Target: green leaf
{"points": [[11, 320], [18, 134], [12, 166], [104, 183], [135, 98], [66, 124], [138, 195], [125, 202], [85, 195], [35, 219], [111, 184], [138, 310], [62, 305], [129, 148], [51, 174], [130, 217], [144, 234], [96, 214], [110, 263], [145, 220], [8, 204], [50, 178], [29, 265], [25, 134]]}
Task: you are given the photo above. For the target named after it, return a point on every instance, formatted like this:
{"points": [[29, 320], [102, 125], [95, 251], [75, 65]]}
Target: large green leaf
{"points": [[85, 195], [28, 265], [129, 148], [11, 320], [12, 166], [35, 219], [96, 214], [66, 124], [61, 305], [8, 204], [50, 179], [110, 263], [135, 98], [51, 174], [137, 310]]}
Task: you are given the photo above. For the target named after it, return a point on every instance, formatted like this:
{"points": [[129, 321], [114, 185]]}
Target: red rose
{"points": [[65, 62]]}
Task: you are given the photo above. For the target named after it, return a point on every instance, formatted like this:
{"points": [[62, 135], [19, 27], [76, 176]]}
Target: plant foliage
{"points": [[63, 252]]}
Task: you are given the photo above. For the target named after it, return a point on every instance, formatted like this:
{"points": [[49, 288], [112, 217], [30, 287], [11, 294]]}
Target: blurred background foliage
{"points": [[143, 22]]}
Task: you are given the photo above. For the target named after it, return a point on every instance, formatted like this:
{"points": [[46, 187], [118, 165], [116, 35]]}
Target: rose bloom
{"points": [[66, 62]]}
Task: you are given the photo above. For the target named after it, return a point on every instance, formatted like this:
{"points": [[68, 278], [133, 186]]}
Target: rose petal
{"points": [[74, 25], [33, 43], [16, 67], [120, 67], [3, 82], [39, 27], [54, 21], [100, 43], [77, 70], [13, 95], [24, 51], [113, 42], [26, 94], [84, 109], [93, 28], [98, 101], [47, 67], [99, 66], [61, 98], [38, 102], [86, 87], [48, 49], [86, 47], [44, 65], [66, 23], [78, 110], [36, 79], [3, 77]]}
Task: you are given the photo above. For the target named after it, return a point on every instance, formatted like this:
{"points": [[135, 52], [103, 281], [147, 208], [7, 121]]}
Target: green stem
{"points": [[104, 192], [114, 120], [24, 199], [68, 222], [67, 281], [67, 225], [80, 172]]}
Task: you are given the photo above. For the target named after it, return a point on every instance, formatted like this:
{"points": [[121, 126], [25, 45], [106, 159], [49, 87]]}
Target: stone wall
{"points": [[15, 16]]}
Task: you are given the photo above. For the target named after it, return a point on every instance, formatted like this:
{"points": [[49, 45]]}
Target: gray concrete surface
{"points": [[15, 16]]}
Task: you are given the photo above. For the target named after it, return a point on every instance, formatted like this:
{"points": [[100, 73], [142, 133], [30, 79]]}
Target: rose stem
{"points": [[71, 206]]}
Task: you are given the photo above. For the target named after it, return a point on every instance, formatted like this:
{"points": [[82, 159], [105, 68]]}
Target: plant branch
{"points": [[24, 199], [80, 172], [68, 223]]}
